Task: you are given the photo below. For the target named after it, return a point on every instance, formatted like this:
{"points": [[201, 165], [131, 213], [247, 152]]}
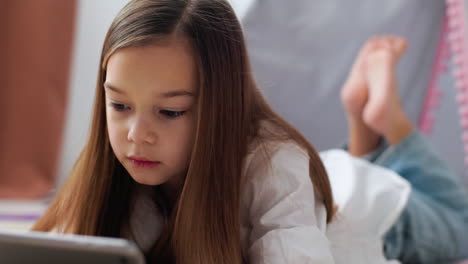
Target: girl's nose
{"points": [[141, 132]]}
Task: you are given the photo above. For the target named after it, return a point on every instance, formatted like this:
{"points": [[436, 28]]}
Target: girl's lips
{"points": [[142, 163]]}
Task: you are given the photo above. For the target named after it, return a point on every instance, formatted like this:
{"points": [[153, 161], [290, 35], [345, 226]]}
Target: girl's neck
{"points": [[171, 190]]}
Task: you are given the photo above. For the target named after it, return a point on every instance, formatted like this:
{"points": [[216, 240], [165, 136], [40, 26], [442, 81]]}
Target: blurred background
{"points": [[301, 52]]}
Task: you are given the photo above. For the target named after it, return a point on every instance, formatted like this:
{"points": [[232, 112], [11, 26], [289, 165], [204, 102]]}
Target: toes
{"points": [[382, 42], [371, 45], [394, 43], [359, 62], [380, 58]]}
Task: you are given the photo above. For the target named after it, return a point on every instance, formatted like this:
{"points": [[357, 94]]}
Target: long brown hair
{"points": [[203, 227]]}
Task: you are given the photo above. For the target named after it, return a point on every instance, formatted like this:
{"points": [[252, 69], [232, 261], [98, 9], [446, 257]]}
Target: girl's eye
{"points": [[119, 107], [172, 114]]}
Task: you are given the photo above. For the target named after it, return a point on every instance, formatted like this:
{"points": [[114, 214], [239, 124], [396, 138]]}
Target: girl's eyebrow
{"points": [[169, 94], [112, 88]]}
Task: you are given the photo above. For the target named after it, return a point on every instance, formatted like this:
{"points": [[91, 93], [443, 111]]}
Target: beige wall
{"points": [[36, 41]]}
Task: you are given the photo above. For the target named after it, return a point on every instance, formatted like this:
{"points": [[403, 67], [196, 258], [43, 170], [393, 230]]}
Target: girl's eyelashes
{"points": [[119, 107], [169, 114], [172, 114]]}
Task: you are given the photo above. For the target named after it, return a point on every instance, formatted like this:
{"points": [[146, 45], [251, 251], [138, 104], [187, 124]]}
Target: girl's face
{"points": [[150, 109]]}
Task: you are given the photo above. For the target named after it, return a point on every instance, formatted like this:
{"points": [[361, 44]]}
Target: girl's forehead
{"points": [[161, 67]]}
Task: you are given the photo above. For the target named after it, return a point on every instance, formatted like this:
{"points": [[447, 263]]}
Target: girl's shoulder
{"points": [[273, 159], [275, 167], [270, 155], [269, 145]]}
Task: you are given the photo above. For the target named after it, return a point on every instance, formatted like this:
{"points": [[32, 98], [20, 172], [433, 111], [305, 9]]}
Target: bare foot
{"points": [[355, 91], [354, 96], [370, 96], [383, 112]]}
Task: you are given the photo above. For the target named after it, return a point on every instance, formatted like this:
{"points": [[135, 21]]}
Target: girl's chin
{"points": [[146, 178], [149, 182]]}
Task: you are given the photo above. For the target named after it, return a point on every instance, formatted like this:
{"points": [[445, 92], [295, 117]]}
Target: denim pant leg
{"points": [[433, 228]]}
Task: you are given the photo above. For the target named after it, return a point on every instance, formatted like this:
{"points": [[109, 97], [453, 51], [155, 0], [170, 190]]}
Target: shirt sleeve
{"points": [[287, 224]]}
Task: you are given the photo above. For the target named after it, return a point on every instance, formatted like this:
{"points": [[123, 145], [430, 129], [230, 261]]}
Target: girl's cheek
{"points": [[116, 132]]}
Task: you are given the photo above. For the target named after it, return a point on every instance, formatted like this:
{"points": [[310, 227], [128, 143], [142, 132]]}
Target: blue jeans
{"points": [[433, 228]]}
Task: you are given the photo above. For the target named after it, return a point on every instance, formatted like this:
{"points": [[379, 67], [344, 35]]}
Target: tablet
{"points": [[40, 247]]}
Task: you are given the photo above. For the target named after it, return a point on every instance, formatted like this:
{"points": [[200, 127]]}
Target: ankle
{"points": [[399, 129], [362, 139]]}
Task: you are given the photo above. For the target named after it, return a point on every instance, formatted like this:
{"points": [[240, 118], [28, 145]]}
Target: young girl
{"points": [[187, 159]]}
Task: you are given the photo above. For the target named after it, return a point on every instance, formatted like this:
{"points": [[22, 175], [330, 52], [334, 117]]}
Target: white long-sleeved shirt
{"points": [[283, 222]]}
